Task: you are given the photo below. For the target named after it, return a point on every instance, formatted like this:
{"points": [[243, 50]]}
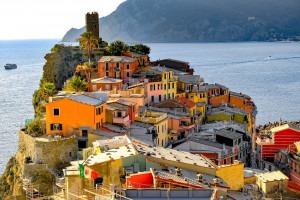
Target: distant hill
{"points": [[199, 21]]}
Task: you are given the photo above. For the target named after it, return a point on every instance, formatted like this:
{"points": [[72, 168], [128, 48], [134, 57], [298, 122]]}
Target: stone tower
{"points": [[92, 24]]}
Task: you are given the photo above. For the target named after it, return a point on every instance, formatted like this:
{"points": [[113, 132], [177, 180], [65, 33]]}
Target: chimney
{"points": [[178, 171], [199, 177]]}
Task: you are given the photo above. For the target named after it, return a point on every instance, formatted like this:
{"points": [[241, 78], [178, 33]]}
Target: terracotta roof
{"points": [[184, 101]]}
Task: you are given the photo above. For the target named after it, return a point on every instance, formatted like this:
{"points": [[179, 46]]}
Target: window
{"points": [[158, 86], [98, 111], [225, 161], [231, 160], [70, 154], [159, 97], [154, 87], [165, 97], [84, 133], [169, 96], [127, 74], [169, 75], [151, 87], [118, 65], [94, 87], [173, 95], [168, 85], [56, 111], [165, 76], [165, 86], [107, 74], [106, 67], [55, 127], [162, 142], [157, 129], [152, 98], [119, 114], [127, 66], [173, 85]]}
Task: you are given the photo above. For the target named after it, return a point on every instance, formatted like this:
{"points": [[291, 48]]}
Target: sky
{"points": [[38, 19]]}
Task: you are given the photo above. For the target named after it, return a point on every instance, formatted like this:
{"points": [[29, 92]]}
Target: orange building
{"points": [[104, 83], [74, 114], [142, 59], [119, 67]]}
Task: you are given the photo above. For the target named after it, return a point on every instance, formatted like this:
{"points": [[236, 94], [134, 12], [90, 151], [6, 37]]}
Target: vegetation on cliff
{"points": [[199, 21], [10, 180]]}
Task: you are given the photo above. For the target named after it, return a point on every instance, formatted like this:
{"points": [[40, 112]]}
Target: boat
{"points": [[10, 66]]}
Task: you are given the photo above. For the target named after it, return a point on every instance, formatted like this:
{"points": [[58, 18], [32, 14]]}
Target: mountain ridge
{"points": [[199, 21]]}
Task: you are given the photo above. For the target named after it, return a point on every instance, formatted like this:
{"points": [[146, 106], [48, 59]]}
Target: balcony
{"points": [[121, 120], [187, 125], [152, 118]]}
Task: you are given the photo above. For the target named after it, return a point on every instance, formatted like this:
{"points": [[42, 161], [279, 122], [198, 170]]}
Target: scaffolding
{"points": [[31, 191]]}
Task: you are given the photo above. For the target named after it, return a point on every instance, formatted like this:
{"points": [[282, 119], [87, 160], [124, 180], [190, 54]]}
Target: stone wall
{"points": [[50, 151]]}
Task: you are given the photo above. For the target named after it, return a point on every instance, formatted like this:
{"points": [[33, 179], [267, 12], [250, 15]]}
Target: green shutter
{"points": [[81, 170]]}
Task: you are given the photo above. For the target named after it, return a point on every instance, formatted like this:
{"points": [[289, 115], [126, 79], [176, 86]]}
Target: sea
{"points": [[269, 72]]}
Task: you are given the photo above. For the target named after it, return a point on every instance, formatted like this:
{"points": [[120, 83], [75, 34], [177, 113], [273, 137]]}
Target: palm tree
{"points": [[88, 42], [76, 84]]}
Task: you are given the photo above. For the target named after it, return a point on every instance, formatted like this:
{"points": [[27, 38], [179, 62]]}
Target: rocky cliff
{"points": [[200, 21]]}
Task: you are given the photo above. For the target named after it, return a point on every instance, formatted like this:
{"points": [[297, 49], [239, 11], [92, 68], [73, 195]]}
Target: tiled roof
{"points": [[86, 99], [229, 134], [116, 59], [176, 156], [111, 154], [239, 95], [184, 101], [106, 80], [125, 102], [115, 106], [191, 79], [168, 177]]}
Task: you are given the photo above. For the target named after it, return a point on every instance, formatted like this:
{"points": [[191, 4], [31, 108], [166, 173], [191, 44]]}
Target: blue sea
{"points": [[269, 72]]}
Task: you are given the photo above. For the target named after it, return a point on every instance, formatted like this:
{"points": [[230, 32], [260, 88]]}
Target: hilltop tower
{"points": [[92, 24]]}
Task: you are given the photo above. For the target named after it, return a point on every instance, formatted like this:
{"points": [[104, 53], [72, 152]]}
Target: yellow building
{"points": [[169, 82], [76, 114], [160, 121], [135, 93], [272, 182]]}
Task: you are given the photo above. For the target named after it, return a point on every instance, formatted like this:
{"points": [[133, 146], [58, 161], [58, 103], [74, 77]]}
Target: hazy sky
{"points": [[38, 19]]}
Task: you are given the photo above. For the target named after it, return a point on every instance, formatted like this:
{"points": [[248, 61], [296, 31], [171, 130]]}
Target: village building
{"points": [[118, 67], [272, 183], [143, 60], [175, 64], [104, 83], [75, 115], [159, 120], [278, 138]]}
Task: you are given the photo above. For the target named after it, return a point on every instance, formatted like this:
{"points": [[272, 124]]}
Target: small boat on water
{"points": [[10, 66]]}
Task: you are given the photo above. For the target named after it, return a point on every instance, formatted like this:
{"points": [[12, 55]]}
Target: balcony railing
{"points": [[121, 120]]}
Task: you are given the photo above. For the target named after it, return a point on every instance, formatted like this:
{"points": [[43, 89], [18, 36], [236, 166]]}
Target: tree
{"points": [[140, 48], [116, 48], [37, 127], [76, 84], [88, 42], [48, 90]]}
